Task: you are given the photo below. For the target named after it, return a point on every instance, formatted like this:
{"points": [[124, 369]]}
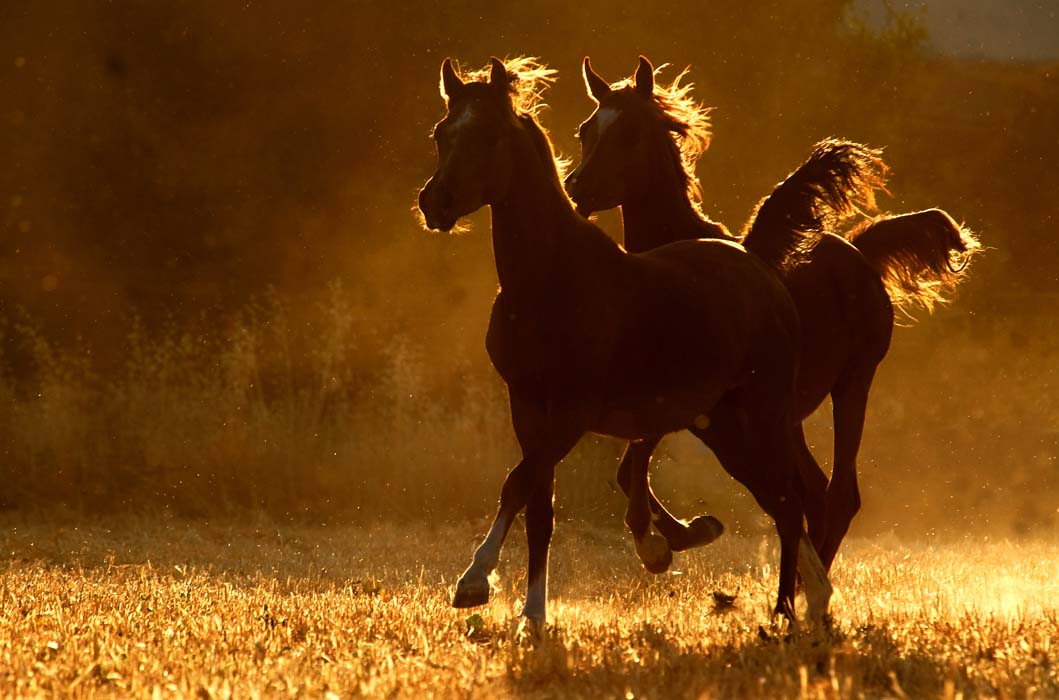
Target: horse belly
{"points": [[635, 417]]}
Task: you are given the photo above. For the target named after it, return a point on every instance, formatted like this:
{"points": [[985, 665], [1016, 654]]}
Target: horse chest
{"points": [[540, 349]]}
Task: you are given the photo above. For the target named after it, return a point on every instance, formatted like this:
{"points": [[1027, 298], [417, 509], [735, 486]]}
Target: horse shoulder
{"points": [[506, 338], [560, 340]]}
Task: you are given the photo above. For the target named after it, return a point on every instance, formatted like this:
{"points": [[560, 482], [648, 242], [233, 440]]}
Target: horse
{"points": [[639, 149], [574, 327]]}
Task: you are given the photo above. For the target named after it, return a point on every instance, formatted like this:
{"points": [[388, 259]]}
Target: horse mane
{"points": [[543, 145], [920, 256], [685, 117], [529, 79]]}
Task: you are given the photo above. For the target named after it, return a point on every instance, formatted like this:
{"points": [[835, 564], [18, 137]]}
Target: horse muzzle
{"points": [[576, 191], [436, 204]]}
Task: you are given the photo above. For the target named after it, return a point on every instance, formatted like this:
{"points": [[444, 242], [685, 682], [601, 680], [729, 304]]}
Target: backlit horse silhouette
{"points": [[574, 333], [639, 149]]}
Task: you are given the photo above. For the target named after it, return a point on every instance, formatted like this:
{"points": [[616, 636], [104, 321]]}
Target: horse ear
{"points": [[597, 86], [645, 78], [450, 82], [498, 75]]}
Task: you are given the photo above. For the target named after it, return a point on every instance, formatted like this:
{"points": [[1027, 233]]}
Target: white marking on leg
{"points": [[817, 586], [473, 587], [537, 597], [487, 556]]}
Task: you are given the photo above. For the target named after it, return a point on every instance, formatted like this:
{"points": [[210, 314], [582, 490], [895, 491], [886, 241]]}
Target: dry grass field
{"points": [[166, 608]]}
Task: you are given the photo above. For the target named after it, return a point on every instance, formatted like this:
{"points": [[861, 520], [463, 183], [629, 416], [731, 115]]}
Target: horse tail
{"points": [[921, 257], [837, 178]]}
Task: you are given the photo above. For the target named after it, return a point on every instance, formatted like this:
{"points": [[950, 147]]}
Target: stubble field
{"points": [[166, 608]]}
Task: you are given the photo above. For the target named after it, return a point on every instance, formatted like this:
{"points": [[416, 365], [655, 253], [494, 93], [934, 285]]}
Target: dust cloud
{"points": [[214, 294]]}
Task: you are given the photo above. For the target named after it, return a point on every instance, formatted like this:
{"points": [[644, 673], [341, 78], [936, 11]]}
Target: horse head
{"points": [[639, 132], [472, 169], [612, 152]]}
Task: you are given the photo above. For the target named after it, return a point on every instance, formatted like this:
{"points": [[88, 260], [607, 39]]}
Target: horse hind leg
{"points": [[850, 401], [679, 535], [813, 490], [818, 587], [766, 460]]}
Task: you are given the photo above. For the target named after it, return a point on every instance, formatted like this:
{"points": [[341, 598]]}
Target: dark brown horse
{"points": [[639, 148], [574, 334]]}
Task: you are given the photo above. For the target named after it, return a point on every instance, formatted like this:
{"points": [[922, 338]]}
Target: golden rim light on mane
{"points": [[684, 115], [531, 77]]}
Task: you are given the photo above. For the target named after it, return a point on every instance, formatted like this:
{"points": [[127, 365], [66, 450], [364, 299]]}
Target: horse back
{"points": [[709, 311], [692, 318]]}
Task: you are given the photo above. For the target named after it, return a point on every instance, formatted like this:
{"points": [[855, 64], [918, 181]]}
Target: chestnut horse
{"points": [[574, 333], [639, 148]]}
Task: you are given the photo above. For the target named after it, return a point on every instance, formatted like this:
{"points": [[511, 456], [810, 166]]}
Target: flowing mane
{"points": [[681, 114], [529, 79]]}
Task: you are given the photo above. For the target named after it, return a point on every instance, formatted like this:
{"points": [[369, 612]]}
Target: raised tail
{"points": [[837, 177], [921, 256]]}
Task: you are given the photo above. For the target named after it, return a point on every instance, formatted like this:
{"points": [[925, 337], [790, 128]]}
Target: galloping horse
{"points": [[574, 331], [639, 148]]}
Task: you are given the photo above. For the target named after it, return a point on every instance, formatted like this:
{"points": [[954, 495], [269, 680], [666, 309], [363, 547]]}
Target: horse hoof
{"points": [[700, 532], [533, 621], [471, 593], [655, 553]]}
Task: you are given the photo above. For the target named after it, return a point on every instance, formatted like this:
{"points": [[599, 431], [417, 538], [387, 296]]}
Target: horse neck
{"points": [[661, 211], [536, 232]]}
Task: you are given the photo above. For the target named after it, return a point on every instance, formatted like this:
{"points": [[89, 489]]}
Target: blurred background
{"points": [[215, 297]]}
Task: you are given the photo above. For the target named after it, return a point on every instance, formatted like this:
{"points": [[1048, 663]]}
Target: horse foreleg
{"points": [[652, 549], [473, 586], [850, 401], [787, 514], [545, 435], [780, 499], [540, 521], [680, 535]]}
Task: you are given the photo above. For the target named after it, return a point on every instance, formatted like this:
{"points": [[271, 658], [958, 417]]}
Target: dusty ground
{"points": [[164, 608]]}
